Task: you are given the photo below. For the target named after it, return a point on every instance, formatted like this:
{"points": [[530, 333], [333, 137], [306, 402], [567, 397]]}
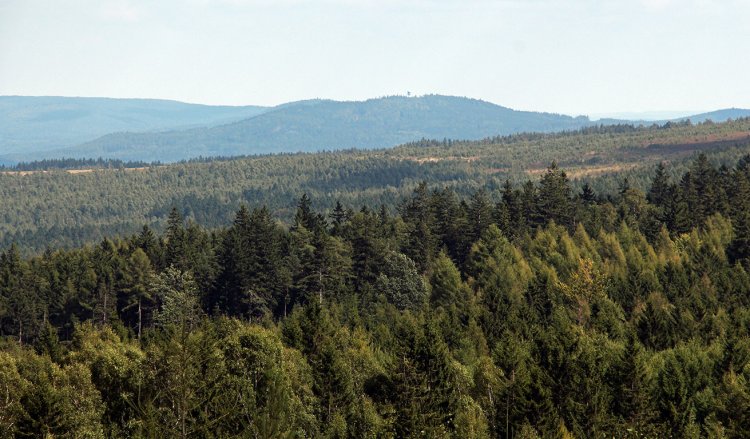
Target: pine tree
{"points": [[501, 275], [107, 264], [368, 249], [679, 217], [147, 241], [175, 249], [554, 196], [307, 283], [710, 199], [137, 298], [480, 214], [740, 188], [660, 192], [266, 265], [509, 215], [338, 218], [234, 258], [305, 215], [739, 248], [420, 241], [425, 387], [587, 195], [450, 223], [631, 375], [19, 296], [529, 208]]}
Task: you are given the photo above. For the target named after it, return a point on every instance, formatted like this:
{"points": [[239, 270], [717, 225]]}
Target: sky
{"points": [[593, 57]]}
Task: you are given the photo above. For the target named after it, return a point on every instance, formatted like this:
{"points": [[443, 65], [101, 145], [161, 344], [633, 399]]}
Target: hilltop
{"points": [[38, 128], [318, 125]]}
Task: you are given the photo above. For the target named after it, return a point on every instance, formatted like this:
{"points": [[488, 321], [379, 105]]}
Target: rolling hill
{"points": [[36, 128], [720, 115], [317, 125], [30, 125]]}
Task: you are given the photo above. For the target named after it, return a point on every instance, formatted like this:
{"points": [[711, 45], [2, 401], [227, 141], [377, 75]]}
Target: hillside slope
{"points": [[326, 125], [71, 207], [720, 115], [31, 124]]}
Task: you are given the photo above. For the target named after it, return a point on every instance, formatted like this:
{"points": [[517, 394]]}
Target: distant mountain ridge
{"points": [[722, 115], [324, 125], [168, 131], [39, 123], [719, 115]]}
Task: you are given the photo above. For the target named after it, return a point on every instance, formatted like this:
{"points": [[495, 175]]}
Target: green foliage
{"points": [[603, 327], [400, 283], [42, 399], [178, 294], [84, 207]]}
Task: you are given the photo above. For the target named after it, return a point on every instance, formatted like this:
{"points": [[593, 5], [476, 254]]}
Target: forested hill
{"points": [[68, 207], [30, 124], [552, 313], [720, 115], [327, 125], [147, 130]]}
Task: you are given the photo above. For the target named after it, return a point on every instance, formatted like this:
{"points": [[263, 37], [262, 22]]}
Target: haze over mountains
{"points": [[33, 124], [34, 128]]}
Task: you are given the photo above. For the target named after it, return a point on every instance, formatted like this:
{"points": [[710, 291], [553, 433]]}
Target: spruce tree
{"points": [[338, 218], [660, 192], [479, 214], [554, 196], [175, 249], [587, 195], [420, 241]]}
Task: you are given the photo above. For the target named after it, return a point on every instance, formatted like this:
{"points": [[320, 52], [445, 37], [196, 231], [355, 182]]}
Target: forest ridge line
{"points": [[37, 128]]}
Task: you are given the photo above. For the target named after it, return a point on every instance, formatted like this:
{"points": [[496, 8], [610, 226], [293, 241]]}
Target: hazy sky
{"points": [[574, 57]]}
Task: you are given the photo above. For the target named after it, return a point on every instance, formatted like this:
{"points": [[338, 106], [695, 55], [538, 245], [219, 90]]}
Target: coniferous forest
{"points": [[69, 203], [535, 310]]}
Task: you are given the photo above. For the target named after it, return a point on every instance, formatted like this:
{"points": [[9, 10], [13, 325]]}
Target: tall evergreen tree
{"points": [[450, 225], [420, 243], [338, 218], [136, 301], [528, 201], [480, 214], [175, 238], [554, 196], [660, 192], [587, 195]]}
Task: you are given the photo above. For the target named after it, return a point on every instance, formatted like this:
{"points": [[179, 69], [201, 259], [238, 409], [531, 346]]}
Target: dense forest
{"points": [[540, 309], [72, 207], [70, 164]]}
